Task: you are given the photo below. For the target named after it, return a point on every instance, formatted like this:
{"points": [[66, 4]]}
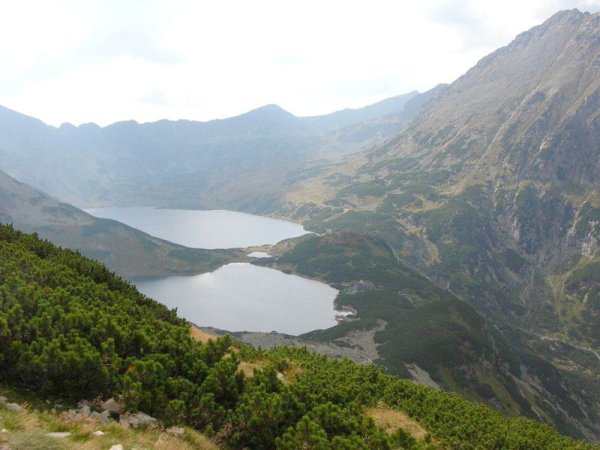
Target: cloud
{"points": [[110, 60], [156, 96], [130, 43]]}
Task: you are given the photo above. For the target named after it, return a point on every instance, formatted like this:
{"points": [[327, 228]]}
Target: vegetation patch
{"points": [[392, 420]]}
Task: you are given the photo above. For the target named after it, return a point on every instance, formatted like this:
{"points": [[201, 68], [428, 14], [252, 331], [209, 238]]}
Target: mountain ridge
{"points": [[126, 250]]}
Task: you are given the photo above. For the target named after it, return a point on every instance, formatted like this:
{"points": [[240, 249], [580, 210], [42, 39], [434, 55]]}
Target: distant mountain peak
{"points": [[271, 110], [268, 118]]}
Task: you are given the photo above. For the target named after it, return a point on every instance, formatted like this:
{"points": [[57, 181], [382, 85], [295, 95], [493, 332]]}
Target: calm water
{"points": [[243, 297], [236, 297], [203, 229]]}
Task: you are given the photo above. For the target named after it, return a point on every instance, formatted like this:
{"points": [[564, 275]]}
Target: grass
{"points": [[27, 430], [248, 368], [392, 420], [200, 335]]}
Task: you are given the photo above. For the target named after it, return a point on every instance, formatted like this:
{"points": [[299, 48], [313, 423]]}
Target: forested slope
{"points": [[71, 328]]}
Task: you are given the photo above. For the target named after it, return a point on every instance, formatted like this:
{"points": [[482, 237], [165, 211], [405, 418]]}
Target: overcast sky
{"points": [[103, 61]]}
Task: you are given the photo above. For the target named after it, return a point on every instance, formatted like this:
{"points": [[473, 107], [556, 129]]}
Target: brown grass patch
{"points": [[391, 421], [292, 372], [247, 368], [200, 335]]}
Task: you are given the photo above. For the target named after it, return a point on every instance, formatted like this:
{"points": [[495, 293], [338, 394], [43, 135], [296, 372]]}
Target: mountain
{"points": [[493, 191], [178, 163], [348, 117], [71, 329], [486, 189], [124, 249]]}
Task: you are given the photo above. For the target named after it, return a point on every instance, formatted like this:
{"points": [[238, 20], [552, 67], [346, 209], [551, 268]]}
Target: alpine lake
{"points": [[237, 296]]}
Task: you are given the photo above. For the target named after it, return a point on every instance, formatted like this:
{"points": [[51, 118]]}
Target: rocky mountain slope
{"points": [[493, 191]]}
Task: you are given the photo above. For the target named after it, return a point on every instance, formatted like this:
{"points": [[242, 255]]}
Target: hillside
{"points": [[126, 250], [492, 191], [71, 329], [414, 328]]}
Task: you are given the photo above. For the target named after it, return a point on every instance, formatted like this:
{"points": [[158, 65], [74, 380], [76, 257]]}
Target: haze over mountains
{"points": [[183, 162], [484, 191]]}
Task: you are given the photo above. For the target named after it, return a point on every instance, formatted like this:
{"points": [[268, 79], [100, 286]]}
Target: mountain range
{"points": [[479, 200]]}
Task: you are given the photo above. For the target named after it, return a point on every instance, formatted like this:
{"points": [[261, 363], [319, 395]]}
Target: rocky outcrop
{"points": [[113, 406]]}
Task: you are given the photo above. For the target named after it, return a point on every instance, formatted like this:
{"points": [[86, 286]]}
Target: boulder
{"points": [[176, 431], [135, 420], [113, 406], [103, 417], [116, 447], [3, 400], [13, 407], [85, 410], [70, 416], [98, 433]]}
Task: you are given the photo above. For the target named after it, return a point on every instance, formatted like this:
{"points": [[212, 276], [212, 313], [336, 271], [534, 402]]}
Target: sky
{"points": [[104, 61]]}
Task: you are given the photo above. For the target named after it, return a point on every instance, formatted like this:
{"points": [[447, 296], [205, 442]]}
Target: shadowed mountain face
{"points": [[126, 250]]}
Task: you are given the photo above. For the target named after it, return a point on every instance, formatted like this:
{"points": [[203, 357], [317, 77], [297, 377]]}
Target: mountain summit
{"points": [[531, 108]]}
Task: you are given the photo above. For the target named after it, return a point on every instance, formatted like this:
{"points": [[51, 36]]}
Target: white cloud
{"points": [[104, 61]]}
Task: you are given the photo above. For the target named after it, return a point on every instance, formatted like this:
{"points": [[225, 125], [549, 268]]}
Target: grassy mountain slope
{"points": [[126, 250], [71, 329], [418, 328]]}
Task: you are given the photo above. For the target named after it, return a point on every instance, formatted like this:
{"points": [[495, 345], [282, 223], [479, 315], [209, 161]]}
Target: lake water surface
{"points": [[236, 297], [244, 297], [203, 229]]}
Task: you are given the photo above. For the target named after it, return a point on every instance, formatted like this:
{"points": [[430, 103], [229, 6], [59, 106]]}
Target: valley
{"points": [[458, 230]]}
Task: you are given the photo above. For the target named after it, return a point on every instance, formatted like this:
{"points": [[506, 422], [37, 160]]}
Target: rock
{"points": [[103, 417], [70, 416], [113, 406], [116, 447], [13, 407], [59, 434], [98, 433], [3, 400], [128, 421], [85, 410], [4, 430], [136, 420], [176, 431], [144, 418]]}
